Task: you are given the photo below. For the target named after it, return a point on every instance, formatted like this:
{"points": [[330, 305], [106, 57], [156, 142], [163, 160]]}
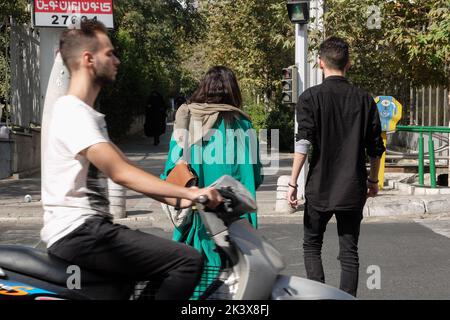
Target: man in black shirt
{"points": [[341, 124]]}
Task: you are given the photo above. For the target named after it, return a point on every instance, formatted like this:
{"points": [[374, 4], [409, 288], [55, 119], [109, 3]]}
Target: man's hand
{"points": [[213, 195], [292, 197], [372, 189], [186, 203]]}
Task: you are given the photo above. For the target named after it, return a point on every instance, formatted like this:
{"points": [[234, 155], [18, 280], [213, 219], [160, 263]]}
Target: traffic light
{"points": [[298, 11], [289, 85]]}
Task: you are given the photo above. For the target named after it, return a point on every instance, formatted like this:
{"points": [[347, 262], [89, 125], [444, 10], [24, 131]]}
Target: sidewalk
{"points": [[141, 209]]}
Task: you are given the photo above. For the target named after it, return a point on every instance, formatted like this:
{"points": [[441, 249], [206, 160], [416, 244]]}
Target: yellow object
{"points": [[390, 111], [382, 161]]}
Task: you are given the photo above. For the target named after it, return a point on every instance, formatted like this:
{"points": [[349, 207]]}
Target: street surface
{"points": [[410, 255], [413, 257]]}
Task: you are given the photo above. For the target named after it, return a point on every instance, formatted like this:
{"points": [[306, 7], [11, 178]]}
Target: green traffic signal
{"points": [[298, 11]]}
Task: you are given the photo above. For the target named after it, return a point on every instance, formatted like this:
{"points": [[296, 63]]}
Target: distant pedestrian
{"points": [[155, 117], [342, 125], [179, 101]]}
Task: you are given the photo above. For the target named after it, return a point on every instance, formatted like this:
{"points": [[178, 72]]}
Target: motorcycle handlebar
{"points": [[203, 199]]}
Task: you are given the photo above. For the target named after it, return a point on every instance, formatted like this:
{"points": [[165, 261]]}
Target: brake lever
{"points": [[228, 205]]}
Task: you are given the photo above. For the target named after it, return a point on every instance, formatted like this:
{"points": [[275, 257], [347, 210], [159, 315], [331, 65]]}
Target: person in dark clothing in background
{"points": [[342, 125], [155, 117], [179, 101]]}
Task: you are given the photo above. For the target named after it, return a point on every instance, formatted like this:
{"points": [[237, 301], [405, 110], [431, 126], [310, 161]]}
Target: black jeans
{"points": [[348, 225], [114, 249]]}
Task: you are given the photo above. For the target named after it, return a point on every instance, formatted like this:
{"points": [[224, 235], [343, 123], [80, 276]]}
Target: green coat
{"points": [[211, 161]]}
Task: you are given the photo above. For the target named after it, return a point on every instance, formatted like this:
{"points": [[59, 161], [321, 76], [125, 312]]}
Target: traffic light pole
{"points": [[301, 61]]}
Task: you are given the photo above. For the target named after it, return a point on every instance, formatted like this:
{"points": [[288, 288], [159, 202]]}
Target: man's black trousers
{"points": [[348, 225], [100, 246]]}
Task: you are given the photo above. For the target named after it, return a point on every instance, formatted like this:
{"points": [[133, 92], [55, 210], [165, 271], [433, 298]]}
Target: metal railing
{"points": [[430, 130], [429, 106]]}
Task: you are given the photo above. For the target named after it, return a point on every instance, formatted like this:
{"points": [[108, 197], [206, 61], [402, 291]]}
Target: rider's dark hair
{"points": [[74, 41], [334, 52], [218, 86]]}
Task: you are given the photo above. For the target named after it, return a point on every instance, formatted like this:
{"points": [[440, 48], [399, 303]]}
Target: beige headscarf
{"points": [[198, 119]]}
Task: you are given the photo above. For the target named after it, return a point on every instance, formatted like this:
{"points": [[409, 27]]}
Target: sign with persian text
{"points": [[66, 13]]}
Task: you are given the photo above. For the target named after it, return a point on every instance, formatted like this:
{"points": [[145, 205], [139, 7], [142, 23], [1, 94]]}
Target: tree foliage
{"points": [[149, 38], [167, 45], [409, 48], [9, 9], [256, 40]]}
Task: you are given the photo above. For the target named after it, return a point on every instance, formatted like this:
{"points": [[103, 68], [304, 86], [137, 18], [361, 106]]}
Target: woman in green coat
{"points": [[214, 135]]}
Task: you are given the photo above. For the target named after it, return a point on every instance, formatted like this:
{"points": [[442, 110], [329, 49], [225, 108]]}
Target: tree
{"points": [[433, 45], [149, 38], [256, 40], [9, 9], [395, 45], [252, 37], [409, 47]]}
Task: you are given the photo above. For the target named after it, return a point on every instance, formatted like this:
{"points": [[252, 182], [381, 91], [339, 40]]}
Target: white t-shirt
{"points": [[72, 188]]}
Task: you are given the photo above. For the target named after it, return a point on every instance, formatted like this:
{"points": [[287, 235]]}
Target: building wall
{"points": [[25, 79], [26, 153], [5, 158]]}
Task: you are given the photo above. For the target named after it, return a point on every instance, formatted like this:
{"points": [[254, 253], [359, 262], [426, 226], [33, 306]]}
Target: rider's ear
{"points": [[87, 59]]}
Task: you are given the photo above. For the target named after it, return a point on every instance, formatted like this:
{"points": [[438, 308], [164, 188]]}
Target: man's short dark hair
{"points": [[334, 52], [74, 41]]}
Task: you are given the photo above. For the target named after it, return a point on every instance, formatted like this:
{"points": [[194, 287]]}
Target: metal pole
{"points": [[432, 164], [416, 106], [301, 57], [445, 108], [423, 105], [437, 106], [411, 103], [429, 106], [446, 105], [421, 162]]}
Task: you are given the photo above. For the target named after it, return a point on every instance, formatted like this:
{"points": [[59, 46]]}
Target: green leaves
{"points": [[254, 38], [15, 9], [150, 37], [411, 46]]}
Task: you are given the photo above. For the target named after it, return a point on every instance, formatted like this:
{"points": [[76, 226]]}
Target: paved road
{"points": [[413, 260], [412, 254]]}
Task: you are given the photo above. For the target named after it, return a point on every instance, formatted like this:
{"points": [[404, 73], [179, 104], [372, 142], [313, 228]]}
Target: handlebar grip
{"points": [[203, 199]]}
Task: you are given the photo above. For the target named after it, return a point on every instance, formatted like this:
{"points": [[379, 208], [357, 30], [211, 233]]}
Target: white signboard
{"points": [[63, 13]]}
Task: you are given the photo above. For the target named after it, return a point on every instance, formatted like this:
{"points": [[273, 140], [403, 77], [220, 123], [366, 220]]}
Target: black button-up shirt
{"points": [[342, 124]]}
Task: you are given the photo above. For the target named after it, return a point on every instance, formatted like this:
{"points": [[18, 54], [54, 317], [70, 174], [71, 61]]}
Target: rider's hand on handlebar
{"points": [[213, 195], [186, 203]]}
